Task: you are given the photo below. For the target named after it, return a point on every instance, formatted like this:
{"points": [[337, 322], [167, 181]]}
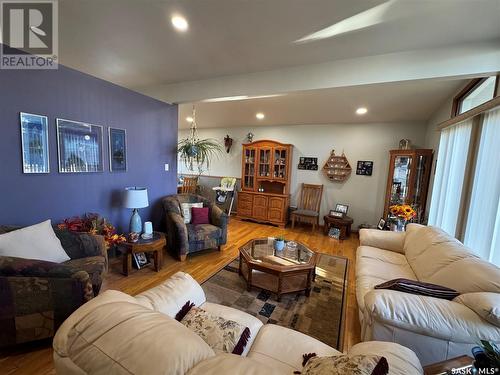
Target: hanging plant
{"points": [[197, 152]]}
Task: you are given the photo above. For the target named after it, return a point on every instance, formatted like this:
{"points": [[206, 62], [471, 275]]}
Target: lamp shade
{"points": [[136, 197]]}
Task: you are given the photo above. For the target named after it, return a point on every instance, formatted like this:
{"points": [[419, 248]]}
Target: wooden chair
{"points": [[310, 202], [189, 185]]}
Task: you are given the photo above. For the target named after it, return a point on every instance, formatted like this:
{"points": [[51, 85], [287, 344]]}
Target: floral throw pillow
{"points": [[346, 365], [222, 335]]}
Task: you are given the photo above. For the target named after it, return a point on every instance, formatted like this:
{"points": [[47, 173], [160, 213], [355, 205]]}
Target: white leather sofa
{"points": [[115, 333], [435, 329]]}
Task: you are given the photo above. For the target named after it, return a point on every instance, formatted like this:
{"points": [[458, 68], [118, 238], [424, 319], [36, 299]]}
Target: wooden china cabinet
{"points": [[265, 182], [408, 180]]}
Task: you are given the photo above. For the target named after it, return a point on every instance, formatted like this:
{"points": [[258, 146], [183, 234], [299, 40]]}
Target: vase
{"points": [[279, 245], [399, 225]]}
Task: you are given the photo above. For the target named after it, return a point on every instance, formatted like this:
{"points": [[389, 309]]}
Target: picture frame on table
{"points": [[79, 146], [381, 224], [339, 207], [34, 143], [117, 139], [140, 260], [334, 213]]}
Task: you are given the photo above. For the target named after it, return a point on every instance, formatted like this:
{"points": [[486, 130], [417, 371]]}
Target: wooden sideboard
{"points": [[265, 182]]}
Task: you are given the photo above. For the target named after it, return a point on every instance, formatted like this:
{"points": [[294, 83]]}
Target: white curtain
{"points": [[482, 233], [449, 178]]}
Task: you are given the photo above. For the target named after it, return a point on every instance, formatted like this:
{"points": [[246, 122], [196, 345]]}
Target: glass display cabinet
{"points": [[408, 180], [265, 182]]}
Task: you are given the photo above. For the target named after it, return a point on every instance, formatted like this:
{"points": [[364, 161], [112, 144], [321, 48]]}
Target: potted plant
{"points": [[279, 243], [487, 356], [197, 151]]}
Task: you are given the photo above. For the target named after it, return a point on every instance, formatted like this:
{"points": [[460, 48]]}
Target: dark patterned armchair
{"points": [[185, 239], [37, 296]]}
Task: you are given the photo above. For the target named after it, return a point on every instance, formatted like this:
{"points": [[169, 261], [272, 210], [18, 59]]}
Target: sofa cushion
{"points": [[282, 348], [222, 335], [428, 316], [345, 364], [469, 275], [186, 210], [121, 336], [202, 232], [34, 242], [241, 317], [418, 238], [402, 361], [199, 215], [169, 297], [375, 266], [225, 363], [486, 305]]}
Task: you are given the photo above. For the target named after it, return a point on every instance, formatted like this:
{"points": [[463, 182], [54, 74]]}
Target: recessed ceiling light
{"points": [[361, 111], [179, 23], [189, 119], [260, 116]]}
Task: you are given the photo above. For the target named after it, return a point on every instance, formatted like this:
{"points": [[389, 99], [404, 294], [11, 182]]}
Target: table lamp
{"points": [[136, 197]]}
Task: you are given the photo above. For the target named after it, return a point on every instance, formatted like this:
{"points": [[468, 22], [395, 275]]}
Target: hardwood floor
{"points": [[36, 359]]}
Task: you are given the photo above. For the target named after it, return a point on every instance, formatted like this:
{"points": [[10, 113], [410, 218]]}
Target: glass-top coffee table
{"points": [[287, 271]]}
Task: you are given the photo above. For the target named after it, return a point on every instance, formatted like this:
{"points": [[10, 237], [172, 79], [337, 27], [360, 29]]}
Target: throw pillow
{"points": [[222, 335], [345, 365], [484, 304], [418, 287], [186, 210], [199, 215], [34, 242]]}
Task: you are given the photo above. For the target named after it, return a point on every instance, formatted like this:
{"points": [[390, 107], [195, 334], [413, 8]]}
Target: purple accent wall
{"points": [[66, 93]]}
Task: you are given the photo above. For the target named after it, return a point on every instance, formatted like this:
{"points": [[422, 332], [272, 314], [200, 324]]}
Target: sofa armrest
{"points": [[177, 233], [382, 239], [219, 219], [169, 297], [428, 316], [401, 359]]}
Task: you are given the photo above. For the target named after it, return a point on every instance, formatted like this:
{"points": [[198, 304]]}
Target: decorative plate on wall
{"points": [[337, 168]]}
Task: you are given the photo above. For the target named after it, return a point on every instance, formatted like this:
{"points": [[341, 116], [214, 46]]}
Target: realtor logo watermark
{"points": [[29, 34]]}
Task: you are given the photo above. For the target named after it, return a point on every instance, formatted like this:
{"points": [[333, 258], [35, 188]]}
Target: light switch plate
{"points": [[166, 167]]}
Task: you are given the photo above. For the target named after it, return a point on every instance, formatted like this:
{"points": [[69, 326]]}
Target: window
{"points": [[466, 193], [477, 92]]}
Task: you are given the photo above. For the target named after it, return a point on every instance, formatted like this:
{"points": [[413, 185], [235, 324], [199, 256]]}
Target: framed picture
{"points": [[79, 146], [117, 150], [381, 224], [35, 143], [334, 233], [308, 163], [140, 260], [334, 213], [364, 168], [341, 208]]}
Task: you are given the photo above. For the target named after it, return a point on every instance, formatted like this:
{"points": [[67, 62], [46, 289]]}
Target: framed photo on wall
{"points": [[364, 168], [35, 143], [117, 150], [79, 146]]}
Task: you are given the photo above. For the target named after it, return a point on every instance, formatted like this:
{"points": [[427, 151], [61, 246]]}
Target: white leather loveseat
{"points": [[115, 333], [435, 329]]}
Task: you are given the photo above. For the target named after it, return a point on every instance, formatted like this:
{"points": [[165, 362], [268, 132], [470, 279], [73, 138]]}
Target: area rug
{"points": [[321, 315]]}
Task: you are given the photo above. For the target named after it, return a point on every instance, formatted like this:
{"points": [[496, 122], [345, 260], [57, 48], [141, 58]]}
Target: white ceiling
{"points": [[131, 42], [391, 102]]}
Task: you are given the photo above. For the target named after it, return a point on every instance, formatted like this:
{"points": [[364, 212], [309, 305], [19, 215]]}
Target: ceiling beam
{"points": [[456, 62]]}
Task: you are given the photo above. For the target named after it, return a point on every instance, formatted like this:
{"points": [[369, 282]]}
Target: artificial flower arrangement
{"points": [[403, 211], [94, 224]]}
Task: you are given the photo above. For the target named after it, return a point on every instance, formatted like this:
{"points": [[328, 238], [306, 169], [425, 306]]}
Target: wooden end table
{"points": [[154, 245], [342, 223], [453, 365]]}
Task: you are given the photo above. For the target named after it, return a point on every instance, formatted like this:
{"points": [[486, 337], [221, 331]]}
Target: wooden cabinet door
{"points": [[245, 203], [248, 168], [276, 209], [260, 207]]}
